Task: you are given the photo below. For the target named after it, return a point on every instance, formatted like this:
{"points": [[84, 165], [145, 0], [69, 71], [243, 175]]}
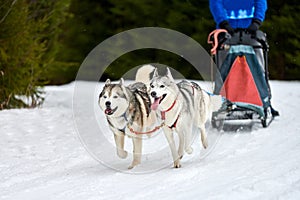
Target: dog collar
{"points": [[163, 113]]}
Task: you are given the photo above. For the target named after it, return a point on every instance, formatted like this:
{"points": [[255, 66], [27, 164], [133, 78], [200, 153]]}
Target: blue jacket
{"points": [[239, 13]]}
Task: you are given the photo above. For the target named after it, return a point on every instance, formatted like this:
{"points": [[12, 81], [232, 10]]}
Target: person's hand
{"points": [[253, 27], [225, 25]]}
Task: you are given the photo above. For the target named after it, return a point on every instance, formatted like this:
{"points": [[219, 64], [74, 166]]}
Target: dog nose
{"points": [[153, 94], [108, 103]]}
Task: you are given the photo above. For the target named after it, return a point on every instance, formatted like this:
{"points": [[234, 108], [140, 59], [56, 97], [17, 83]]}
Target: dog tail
{"points": [[143, 73], [215, 102]]}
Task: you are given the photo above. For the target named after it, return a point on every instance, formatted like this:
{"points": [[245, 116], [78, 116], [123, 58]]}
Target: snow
{"points": [[42, 156]]}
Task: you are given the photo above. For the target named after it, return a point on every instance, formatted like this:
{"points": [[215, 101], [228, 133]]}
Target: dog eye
{"points": [[162, 86], [115, 96], [152, 86]]}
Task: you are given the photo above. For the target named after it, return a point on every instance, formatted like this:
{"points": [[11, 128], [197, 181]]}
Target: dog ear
{"points": [[121, 82], [107, 82], [155, 73], [169, 75]]}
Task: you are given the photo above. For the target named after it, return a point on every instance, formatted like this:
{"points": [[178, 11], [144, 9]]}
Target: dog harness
{"points": [[163, 114], [147, 132], [125, 118], [163, 117]]}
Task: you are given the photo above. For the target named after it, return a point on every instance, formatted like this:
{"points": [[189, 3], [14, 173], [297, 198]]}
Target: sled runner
{"points": [[242, 63]]}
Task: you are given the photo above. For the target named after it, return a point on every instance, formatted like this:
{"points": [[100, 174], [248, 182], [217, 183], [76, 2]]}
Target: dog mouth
{"points": [[109, 111], [157, 101]]}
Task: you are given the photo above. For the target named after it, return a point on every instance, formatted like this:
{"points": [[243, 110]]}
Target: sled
{"points": [[242, 63]]}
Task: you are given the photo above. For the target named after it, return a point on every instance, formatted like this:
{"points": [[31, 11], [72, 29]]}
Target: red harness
{"points": [[147, 132], [163, 115]]}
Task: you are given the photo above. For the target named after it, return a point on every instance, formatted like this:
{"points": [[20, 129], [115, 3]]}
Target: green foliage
{"points": [[282, 26], [27, 38], [45, 41], [98, 20], [94, 21], [53, 13], [19, 57]]}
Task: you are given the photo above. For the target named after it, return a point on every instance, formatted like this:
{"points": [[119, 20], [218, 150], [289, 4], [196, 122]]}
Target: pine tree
{"points": [[25, 51], [281, 26], [94, 21]]}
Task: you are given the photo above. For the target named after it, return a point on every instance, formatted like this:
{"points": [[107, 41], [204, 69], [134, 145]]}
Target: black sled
{"points": [[243, 80]]}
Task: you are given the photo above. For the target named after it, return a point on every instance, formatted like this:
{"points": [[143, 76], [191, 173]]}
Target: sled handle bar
{"points": [[214, 41]]}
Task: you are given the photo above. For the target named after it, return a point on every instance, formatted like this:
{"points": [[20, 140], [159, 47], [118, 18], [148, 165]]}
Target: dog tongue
{"points": [[107, 111], [155, 104]]}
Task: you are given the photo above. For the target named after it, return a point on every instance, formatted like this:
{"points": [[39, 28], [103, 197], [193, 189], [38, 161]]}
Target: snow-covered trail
{"points": [[41, 157]]}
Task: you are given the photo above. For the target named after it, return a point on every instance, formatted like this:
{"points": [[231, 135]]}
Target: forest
{"points": [[44, 42]]}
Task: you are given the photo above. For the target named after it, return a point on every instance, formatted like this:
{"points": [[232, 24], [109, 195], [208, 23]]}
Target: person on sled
{"points": [[234, 15], [238, 14]]}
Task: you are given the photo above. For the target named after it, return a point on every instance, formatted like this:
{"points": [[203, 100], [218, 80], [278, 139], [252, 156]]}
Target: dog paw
{"points": [[205, 144], [122, 154], [177, 164], [189, 150], [133, 164], [130, 167]]}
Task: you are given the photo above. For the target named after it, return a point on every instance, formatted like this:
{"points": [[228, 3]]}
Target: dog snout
{"points": [[108, 104], [153, 94]]}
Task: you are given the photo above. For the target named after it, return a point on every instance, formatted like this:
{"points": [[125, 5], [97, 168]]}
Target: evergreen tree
{"points": [[281, 26], [26, 49], [94, 21]]}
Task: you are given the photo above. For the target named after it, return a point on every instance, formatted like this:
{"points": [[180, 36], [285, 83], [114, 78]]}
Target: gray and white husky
{"points": [[128, 112], [182, 106]]}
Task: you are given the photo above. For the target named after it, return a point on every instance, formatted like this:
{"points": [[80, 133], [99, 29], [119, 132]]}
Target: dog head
{"points": [[163, 90], [113, 99]]}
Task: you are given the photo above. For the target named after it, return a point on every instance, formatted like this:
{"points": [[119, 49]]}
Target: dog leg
{"points": [[203, 136], [181, 144], [188, 140], [169, 135], [119, 140], [137, 152]]}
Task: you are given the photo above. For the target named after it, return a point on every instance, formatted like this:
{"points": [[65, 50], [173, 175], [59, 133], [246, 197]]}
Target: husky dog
{"points": [[182, 106], [127, 110]]}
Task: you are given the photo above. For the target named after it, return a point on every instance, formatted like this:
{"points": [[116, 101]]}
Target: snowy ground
{"points": [[42, 158]]}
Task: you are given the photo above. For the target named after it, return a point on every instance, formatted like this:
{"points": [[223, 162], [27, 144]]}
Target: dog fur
{"points": [[182, 106], [127, 110]]}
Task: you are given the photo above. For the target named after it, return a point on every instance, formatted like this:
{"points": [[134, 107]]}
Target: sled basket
{"points": [[243, 83]]}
